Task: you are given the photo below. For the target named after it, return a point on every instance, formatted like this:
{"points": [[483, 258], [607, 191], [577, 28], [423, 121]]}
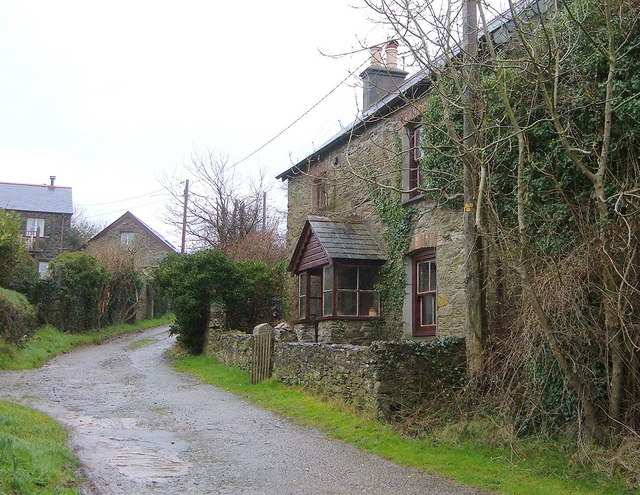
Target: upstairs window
{"points": [[35, 227], [127, 239], [416, 134], [320, 197]]}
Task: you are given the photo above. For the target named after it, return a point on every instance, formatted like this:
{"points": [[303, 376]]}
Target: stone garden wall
{"points": [[337, 369], [232, 349], [383, 378]]}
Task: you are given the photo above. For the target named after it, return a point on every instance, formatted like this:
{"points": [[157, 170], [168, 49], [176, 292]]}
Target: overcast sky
{"points": [[111, 96]]}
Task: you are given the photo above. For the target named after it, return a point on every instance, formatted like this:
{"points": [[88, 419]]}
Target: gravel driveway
{"points": [[139, 427]]}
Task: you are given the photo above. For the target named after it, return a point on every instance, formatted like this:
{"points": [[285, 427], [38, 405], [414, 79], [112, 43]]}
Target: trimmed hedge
{"points": [[17, 316]]}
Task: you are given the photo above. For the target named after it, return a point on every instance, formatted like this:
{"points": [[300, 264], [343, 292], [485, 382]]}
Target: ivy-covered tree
{"points": [[193, 282], [17, 270], [556, 126], [69, 297]]}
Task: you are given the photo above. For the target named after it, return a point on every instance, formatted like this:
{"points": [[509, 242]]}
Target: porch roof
{"points": [[324, 239]]}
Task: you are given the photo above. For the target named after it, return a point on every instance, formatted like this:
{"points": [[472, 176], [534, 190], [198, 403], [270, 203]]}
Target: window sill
{"points": [[411, 200], [334, 318]]}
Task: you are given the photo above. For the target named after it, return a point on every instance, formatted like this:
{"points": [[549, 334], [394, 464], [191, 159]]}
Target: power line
{"points": [[125, 199], [300, 117], [124, 209]]}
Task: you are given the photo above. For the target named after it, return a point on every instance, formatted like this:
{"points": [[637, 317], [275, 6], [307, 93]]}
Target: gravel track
{"points": [[139, 427]]}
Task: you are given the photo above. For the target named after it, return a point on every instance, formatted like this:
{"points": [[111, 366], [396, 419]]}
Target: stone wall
{"points": [[340, 370], [384, 378], [412, 373], [231, 348]]}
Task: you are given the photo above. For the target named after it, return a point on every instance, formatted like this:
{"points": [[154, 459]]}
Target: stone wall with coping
{"points": [[383, 378]]}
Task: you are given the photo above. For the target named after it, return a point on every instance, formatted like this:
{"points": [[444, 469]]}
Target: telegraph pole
{"points": [[264, 211], [474, 290], [184, 216]]}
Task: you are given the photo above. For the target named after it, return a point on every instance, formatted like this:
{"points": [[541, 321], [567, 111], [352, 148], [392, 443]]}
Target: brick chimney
{"points": [[380, 79]]}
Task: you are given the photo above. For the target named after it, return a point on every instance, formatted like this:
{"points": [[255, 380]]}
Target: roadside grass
{"points": [[34, 457], [48, 342], [540, 468]]}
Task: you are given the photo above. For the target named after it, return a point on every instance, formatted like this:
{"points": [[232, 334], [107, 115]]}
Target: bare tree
{"points": [[225, 211], [82, 229], [549, 121]]}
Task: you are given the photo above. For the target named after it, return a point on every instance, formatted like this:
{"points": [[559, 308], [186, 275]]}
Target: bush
{"points": [[17, 270], [193, 282], [261, 295], [69, 298], [17, 316], [248, 293]]}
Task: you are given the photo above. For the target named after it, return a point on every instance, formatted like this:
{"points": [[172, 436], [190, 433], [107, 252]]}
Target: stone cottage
{"points": [[128, 232], [147, 248], [46, 212], [336, 231]]}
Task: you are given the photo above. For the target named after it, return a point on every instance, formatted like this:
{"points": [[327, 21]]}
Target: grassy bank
{"points": [[34, 457], [49, 342], [546, 472]]}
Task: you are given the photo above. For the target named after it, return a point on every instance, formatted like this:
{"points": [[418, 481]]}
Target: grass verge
{"points": [[48, 342], [468, 463], [34, 457]]}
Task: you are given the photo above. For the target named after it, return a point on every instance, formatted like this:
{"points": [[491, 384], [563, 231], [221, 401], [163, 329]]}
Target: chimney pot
{"points": [[376, 55], [53, 179], [392, 54]]}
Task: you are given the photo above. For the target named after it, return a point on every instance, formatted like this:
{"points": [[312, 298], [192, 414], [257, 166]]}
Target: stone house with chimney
{"points": [[46, 212], [336, 231]]}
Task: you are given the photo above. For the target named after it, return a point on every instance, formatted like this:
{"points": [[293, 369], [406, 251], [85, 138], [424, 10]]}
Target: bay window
{"points": [[339, 290]]}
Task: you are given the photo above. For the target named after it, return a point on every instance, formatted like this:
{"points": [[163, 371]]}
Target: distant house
{"points": [[46, 212], [129, 232]]}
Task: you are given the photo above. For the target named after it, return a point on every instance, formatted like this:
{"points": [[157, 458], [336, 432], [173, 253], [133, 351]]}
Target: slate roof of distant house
{"points": [[31, 197]]}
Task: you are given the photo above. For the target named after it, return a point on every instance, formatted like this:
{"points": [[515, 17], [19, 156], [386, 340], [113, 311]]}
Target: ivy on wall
{"points": [[398, 222]]}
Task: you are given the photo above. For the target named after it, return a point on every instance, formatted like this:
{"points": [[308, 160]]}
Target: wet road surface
{"points": [[139, 428]]}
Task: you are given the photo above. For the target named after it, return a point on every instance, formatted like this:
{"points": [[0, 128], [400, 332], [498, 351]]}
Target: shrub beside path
{"points": [[140, 427]]}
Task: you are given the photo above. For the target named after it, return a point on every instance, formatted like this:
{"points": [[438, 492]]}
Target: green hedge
{"points": [[17, 316]]}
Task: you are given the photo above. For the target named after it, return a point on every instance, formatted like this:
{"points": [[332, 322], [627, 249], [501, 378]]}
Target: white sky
{"points": [[111, 96]]}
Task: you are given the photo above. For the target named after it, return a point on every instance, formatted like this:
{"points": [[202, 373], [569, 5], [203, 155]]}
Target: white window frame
{"points": [[127, 239], [35, 225]]}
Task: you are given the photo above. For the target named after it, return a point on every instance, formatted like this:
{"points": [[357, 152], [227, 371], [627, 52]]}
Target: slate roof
{"points": [[31, 197], [416, 85], [347, 240]]}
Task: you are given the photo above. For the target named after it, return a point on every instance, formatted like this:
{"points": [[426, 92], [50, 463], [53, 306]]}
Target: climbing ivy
{"points": [[398, 222]]}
